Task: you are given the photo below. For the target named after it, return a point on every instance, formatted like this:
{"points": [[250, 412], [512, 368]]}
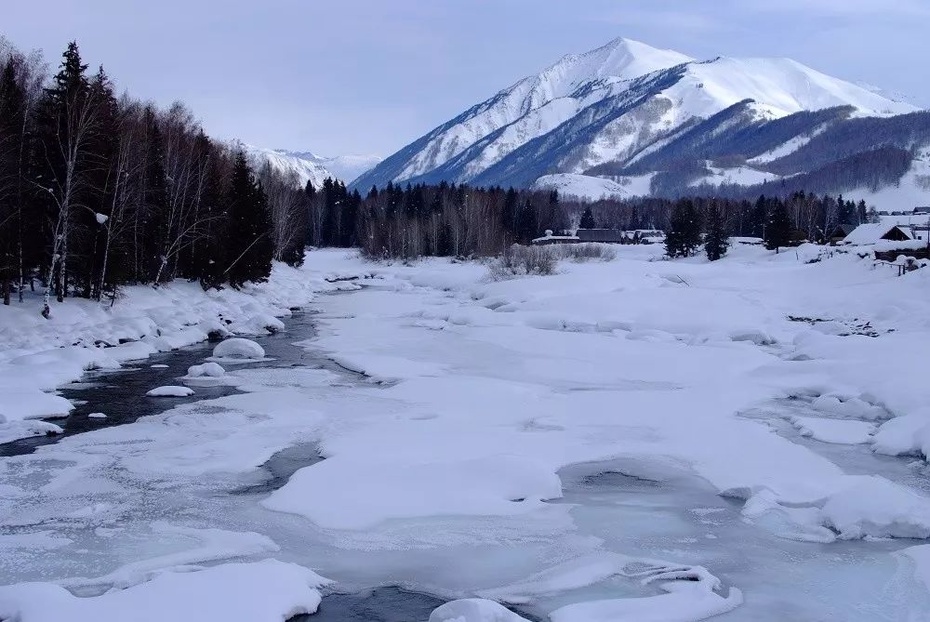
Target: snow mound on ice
{"points": [[473, 610], [170, 391], [692, 594], [340, 493], [265, 591], [238, 349], [879, 508], [839, 431]]}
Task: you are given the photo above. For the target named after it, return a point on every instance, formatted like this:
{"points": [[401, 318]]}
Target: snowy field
{"points": [[633, 440]]}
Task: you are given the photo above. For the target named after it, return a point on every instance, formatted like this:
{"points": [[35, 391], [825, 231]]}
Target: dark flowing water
{"points": [[121, 394]]}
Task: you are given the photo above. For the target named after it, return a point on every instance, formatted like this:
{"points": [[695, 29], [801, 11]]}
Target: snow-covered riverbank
{"points": [[38, 355], [495, 399]]}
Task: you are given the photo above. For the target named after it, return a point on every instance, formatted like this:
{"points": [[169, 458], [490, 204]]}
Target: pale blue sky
{"points": [[369, 76]]}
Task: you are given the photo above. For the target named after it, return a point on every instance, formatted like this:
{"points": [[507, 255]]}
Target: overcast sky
{"points": [[369, 76]]}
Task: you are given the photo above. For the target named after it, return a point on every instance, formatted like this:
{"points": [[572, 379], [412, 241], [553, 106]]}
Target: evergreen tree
{"points": [[778, 228], [12, 119], [587, 219], [250, 248], [527, 226], [684, 232], [716, 241]]}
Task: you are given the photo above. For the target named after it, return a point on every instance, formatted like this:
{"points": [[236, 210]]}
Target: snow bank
{"points": [[170, 391], [473, 610], [266, 591], [39, 355], [874, 506], [238, 350], [18, 405], [361, 492]]}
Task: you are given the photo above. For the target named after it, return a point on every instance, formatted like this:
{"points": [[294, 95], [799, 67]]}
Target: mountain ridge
{"points": [[597, 110]]}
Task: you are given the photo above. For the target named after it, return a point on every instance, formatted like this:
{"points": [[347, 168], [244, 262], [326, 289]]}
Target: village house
{"points": [[872, 233]]}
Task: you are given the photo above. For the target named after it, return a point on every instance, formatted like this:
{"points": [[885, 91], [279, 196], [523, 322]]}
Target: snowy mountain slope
{"points": [[307, 166], [345, 167], [626, 109], [593, 188], [539, 103]]}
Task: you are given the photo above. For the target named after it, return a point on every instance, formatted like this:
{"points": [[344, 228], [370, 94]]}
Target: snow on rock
{"points": [[359, 493], [212, 370], [170, 391], [96, 416], [876, 507], [238, 349], [839, 431], [265, 591], [473, 610]]}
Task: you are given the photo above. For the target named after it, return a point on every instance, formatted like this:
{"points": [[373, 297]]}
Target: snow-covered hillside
{"points": [[307, 166], [629, 109], [593, 188]]}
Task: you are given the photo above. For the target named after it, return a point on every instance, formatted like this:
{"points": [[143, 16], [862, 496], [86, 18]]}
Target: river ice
{"points": [[607, 443]]}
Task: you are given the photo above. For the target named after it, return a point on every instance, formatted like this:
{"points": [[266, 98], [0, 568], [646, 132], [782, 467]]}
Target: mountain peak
{"points": [[621, 58]]}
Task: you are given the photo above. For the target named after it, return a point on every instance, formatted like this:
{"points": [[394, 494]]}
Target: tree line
{"points": [[98, 191], [406, 222]]}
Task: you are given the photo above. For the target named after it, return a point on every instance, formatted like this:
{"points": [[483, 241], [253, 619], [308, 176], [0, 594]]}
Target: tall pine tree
{"points": [[716, 241], [587, 219], [778, 228], [250, 248], [684, 232]]}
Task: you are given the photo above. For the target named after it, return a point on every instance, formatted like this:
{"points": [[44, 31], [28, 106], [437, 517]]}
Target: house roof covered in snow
{"points": [[873, 232]]}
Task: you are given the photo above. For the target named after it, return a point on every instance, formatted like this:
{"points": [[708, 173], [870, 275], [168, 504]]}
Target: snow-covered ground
{"points": [[630, 440]]}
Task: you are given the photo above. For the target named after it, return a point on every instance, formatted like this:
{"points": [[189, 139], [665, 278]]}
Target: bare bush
{"points": [[587, 252], [520, 260]]}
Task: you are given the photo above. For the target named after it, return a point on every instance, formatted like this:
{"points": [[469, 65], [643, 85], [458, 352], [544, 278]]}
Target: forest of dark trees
{"points": [[98, 191], [407, 222]]}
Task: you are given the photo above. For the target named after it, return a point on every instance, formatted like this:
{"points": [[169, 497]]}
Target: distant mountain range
{"points": [[628, 119], [306, 166]]}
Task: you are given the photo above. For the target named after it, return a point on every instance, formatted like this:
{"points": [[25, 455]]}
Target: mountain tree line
{"points": [[419, 220], [98, 191]]}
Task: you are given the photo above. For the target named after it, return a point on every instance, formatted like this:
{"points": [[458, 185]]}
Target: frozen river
{"points": [[186, 482]]}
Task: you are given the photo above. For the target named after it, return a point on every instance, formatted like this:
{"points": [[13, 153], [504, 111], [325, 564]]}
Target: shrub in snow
{"points": [[170, 391], [212, 370], [238, 348], [524, 260], [587, 252]]}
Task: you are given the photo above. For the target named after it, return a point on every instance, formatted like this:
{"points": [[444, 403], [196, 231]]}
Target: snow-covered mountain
{"points": [[307, 166], [626, 110]]}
